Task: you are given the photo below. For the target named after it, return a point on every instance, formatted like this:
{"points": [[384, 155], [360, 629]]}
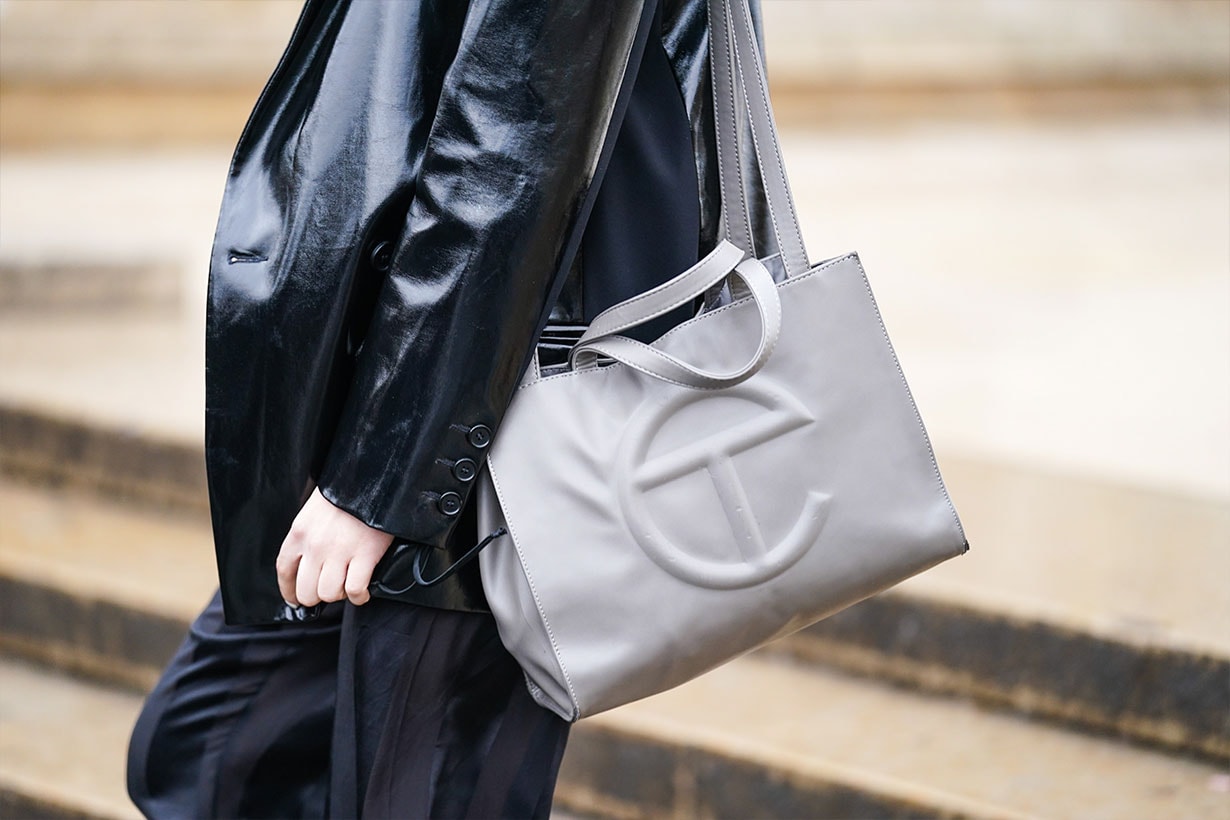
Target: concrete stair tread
{"points": [[899, 42], [135, 381], [166, 562], [137, 376], [63, 746], [1159, 580], [107, 589], [925, 749], [63, 741], [138, 369], [771, 718], [1028, 564], [152, 562]]}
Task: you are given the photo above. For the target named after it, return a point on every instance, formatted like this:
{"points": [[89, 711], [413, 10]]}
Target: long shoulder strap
{"points": [[740, 90]]}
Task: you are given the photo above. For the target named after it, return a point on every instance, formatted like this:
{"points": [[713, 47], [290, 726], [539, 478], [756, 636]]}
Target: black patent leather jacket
{"points": [[400, 219]]}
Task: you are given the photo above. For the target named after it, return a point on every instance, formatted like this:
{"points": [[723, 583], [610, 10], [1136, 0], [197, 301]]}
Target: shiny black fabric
{"points": [[399, 220], [644, 225], [382, 711]]}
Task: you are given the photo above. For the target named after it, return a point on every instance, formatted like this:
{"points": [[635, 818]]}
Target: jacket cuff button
{"points": [[479, 436], [464, 469], [449, 503], [382, 256]]}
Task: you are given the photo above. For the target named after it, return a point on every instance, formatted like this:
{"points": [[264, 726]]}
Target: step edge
{"points": [[50, 796], [806, 773], [16, 462], [112, 614], [26, 571], [1034, 612], [845, 641], [44, 446]]}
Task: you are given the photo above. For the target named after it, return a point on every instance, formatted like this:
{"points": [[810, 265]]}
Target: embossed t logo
{"points": [[638, 476]]}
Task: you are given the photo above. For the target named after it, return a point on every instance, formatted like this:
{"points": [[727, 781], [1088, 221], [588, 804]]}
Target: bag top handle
{"points": [[655, 362]]}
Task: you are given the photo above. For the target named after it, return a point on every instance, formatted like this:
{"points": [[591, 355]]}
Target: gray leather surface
{"points": [[685, 505]]}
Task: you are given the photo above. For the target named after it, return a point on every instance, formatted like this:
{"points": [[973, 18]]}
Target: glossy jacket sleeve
{"points": [[516, 142]]}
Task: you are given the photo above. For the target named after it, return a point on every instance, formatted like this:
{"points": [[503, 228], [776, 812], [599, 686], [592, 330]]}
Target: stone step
{"points": [[753, 739], [896, 42], [139, 466], [757, 738], [63, 746], [98, 588], [124, 582], [106, 588], [129, 72], [64, 286]]}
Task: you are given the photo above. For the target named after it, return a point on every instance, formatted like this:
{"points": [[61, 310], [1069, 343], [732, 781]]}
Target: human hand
{"points": [[328, 555]]}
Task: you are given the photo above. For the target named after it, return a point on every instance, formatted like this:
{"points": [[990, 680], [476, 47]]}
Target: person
{"points": [[426, 195]]}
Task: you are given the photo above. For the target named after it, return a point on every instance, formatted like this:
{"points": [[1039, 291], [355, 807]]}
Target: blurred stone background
{"points": [[1041, 193]]}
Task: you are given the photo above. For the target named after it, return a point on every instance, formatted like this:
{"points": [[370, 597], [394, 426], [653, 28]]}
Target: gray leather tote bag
{"points": [[671, 506]]}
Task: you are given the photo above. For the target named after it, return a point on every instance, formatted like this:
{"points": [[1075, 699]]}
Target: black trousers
{"points": [[385, 710]]}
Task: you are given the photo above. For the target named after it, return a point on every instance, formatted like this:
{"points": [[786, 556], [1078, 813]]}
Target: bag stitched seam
{"points": [[529, 577], [939, 480]]}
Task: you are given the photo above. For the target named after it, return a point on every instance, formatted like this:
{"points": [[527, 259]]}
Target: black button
{"points": [[449, 503], [479, 436], [465, 469], [382, 256]]}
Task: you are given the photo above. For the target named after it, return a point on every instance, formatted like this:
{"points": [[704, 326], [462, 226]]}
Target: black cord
{"points": [[423, 554]]}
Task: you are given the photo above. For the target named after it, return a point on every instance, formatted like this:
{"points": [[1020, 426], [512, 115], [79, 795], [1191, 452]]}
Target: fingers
{"points": [[335, 580], [359, 576], [332, 582], [308, 575], [287, 566], [328, 555], [307, 581]]}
